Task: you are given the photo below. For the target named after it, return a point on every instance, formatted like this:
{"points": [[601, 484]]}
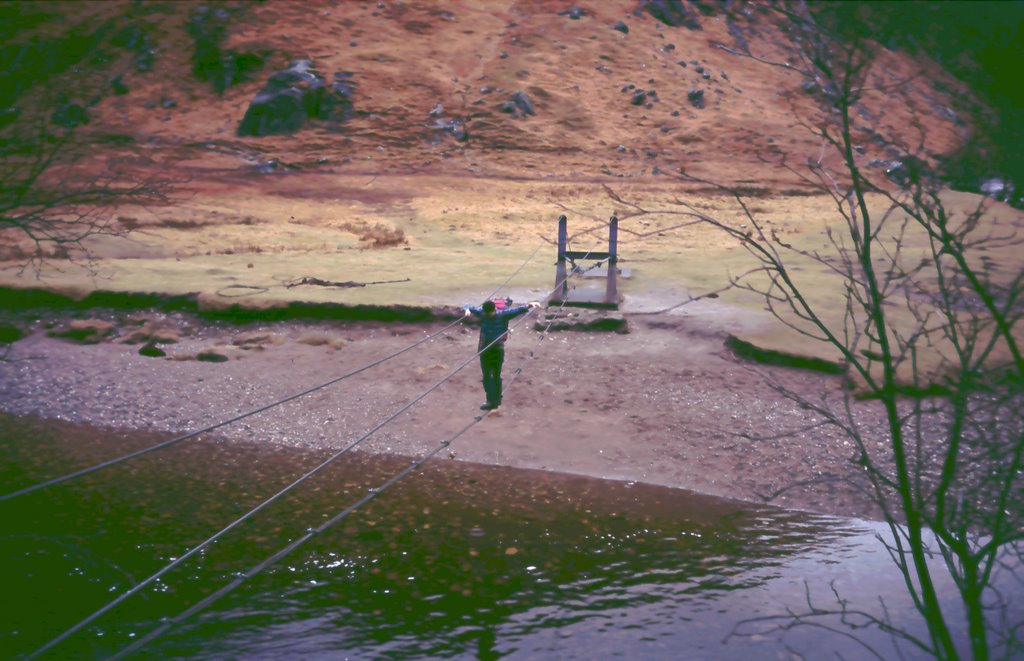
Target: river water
{"points": [[455, 561]]}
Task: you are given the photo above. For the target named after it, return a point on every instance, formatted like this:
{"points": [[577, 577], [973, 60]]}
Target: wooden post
{"points": [[561, 278], [611, 294]]}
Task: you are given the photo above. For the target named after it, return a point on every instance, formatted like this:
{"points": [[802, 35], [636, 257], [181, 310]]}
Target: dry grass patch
{"points": [[318, 339]]}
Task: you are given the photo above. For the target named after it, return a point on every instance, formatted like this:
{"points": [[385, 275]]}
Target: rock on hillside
{"points": [[572, 78]]}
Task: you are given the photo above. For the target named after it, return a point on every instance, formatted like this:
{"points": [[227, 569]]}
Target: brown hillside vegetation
{"points": [[405, 58]]}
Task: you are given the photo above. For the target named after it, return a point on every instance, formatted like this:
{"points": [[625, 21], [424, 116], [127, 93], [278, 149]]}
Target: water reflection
{"points": [[456, 561]]}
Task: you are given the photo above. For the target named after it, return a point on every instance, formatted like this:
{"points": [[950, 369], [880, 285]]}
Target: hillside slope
{"points": [[471, 56]]}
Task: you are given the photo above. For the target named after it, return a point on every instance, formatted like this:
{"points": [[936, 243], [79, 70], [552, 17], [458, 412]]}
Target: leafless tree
{"points": [[57, 191], [928, 329]]}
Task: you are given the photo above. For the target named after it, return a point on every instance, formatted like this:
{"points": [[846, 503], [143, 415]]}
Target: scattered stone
{"points": [[168, 103], [668, 48], [651, 153], [682, 63], [620, 148], [502, 55], [696, 97], [152, 350], [999, 189], [621, 27], [809, 86], [639, 98], [575, 13], [455, 128], [436, 110], [674, 113], [706, 75], [271, 166], [519, 105]]}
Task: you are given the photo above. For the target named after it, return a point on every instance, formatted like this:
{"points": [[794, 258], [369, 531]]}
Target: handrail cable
{"points": [[242, 416], [372, 493], [171, 565]]}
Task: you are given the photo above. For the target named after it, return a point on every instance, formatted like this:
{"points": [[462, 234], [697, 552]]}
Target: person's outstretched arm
{"points": [[516, 311]]}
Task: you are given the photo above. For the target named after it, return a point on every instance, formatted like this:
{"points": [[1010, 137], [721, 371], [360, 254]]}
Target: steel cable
{"points": [[231, 526], [372, 493], [166, 568], [193, 434]]}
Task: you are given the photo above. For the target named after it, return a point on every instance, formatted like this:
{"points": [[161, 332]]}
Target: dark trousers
{"points": [[491, 361]]}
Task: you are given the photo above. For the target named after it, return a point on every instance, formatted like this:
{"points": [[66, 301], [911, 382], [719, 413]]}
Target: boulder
{"points": [[295, 94], [998, 189], [672, 13], [519, 105], [696, 97]]}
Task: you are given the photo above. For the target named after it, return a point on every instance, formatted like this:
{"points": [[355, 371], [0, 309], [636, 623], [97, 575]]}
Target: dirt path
{"points": [[665, 404]]}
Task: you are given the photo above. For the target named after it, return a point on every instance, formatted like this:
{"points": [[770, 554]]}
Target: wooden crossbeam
{"points": [[591, 254]]}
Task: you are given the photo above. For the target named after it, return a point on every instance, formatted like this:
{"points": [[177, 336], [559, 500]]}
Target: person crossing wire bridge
{"points": [[493, 333]]}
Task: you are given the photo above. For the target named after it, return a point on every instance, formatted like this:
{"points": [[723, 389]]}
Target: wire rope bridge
{"points": [[562, 294]]}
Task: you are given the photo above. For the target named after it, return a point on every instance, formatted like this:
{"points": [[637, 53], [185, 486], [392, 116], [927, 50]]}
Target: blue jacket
{"points": [[495, 327]]}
